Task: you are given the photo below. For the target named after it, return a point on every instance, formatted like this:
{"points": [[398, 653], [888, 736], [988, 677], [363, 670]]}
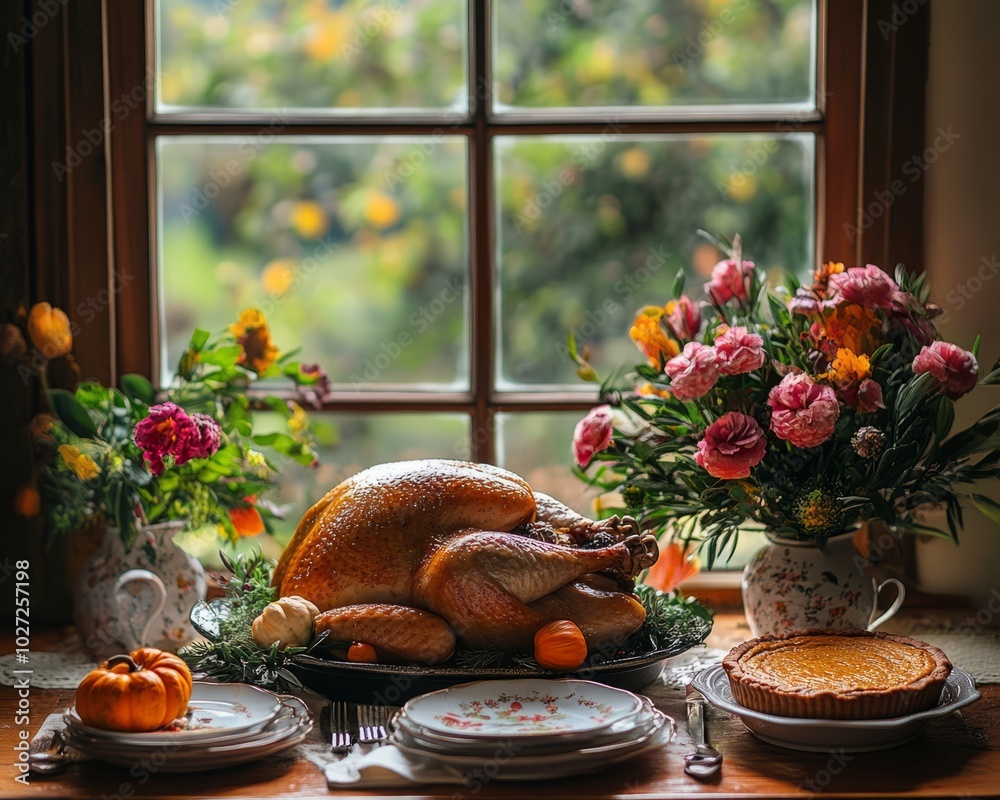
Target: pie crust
{"points": [[830, 674]]}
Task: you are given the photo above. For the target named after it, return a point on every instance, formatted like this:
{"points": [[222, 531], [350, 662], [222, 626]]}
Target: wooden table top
{"points": [[956, 757]]}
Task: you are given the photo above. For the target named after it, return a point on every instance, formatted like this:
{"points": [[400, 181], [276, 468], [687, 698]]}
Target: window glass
{"points": [[592, 228], [327, 57], [712, 55], [355, 249]]}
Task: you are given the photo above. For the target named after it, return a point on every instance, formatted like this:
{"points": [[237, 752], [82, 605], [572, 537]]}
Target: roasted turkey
{"points": [[410, 556]]}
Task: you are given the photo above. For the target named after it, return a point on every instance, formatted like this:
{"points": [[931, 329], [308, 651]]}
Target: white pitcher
{"points": [[140, 597], [792, 585]]}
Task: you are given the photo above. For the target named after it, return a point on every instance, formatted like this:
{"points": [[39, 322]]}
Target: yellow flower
{"points": [[83, 465], [251, 331], [49, 330], [648, 390], [308, 219], [381, 211], [299, 421], [650, 338], [851, 326], [277, 276], [848, 368]]}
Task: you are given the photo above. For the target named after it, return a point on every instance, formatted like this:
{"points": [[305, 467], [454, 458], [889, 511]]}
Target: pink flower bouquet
{"points": [[806, 417]]}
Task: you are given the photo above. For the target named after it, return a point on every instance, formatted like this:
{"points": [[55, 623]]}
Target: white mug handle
{"points": [[896, 604], [127, 621]]}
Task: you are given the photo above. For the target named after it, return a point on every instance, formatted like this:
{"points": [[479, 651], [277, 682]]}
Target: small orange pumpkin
{"points": [[362, 653], [560, 645], [143, 691]]}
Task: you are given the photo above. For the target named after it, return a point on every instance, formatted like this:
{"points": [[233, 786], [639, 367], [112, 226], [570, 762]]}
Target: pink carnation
{"points": [[955, 369], [864, 286], [729, 279], [738, 351], [802, 412], [683, 317], [731, 446], [693, 372], [592, 434], [168, 430]]}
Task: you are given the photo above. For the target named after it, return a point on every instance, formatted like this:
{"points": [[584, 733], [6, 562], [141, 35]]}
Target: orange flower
{"points": [[847, 368], [673, 566], [49, 330], [852, 327], [27, 502], [650, 338], [251, 331], [648, 390], [822, 275], [247, 519]]}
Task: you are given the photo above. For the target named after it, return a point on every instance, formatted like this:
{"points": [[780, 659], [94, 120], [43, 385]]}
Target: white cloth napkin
{"points": [[386, 766]]}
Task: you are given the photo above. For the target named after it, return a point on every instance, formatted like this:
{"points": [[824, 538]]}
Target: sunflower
{"points": [[253, 334]]}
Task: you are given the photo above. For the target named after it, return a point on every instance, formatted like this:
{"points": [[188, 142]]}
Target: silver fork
{"points": [[372, 722], [340, 729]]}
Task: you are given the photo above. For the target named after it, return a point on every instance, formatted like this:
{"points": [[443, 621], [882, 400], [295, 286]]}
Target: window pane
{"points": [[536, 446], [590, 229], [355, 249], [654, 53], [353, 442], [326, 56]]}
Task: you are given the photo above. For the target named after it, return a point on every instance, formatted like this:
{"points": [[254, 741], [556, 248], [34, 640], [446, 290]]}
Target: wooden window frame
{"points": [[116, 237]]}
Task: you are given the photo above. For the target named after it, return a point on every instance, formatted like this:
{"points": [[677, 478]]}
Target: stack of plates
{"points": [[529, 729], [226, 724]]}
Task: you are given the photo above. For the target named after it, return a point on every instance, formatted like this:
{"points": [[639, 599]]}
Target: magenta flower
{"points": [[169, 431], [802, 412], [731, 446], [864, 286], [729, 279], [683, 317], [738, 351], [869, 397], [693, 372], [956, 370], [592, 435]]}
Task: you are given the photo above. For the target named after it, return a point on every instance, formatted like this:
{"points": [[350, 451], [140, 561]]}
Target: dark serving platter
{"points": [[392, 684]]}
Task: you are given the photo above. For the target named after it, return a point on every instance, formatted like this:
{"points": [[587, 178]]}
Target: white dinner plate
{"points": [[531, 707], [559, 743], [512, 767], [215, 709], [823, 735], [284, 732]]}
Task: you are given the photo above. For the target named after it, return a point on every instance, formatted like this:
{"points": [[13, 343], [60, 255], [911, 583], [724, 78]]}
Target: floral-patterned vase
{"points": [[140, 597], [791, 585]]}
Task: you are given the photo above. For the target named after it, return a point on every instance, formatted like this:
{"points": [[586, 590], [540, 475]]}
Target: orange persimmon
{"points": [[560, 645]]}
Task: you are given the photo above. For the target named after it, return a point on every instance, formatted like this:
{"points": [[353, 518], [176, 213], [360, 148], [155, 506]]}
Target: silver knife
{"points": [[705, 761]]}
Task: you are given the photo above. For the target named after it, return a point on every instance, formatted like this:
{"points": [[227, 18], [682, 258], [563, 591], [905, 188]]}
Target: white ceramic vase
{"points": [[140, 597], [792, 585]]}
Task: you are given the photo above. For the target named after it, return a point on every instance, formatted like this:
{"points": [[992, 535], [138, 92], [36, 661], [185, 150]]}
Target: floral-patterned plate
{"points": [[533, 707], [215, 709]]}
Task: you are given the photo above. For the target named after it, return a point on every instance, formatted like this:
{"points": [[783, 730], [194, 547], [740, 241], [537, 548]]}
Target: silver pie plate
{"points": [[823, 735]]}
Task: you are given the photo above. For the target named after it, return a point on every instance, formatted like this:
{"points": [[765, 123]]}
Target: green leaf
{"points": [[136, 387], [945, 418], [975, 347], [679, 280], [880, 354], [72, 413], [226, 356], [987, 506], [199, 339]]}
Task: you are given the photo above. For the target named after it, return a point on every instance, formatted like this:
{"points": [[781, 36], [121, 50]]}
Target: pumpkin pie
{"points": [[829, 674]]}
